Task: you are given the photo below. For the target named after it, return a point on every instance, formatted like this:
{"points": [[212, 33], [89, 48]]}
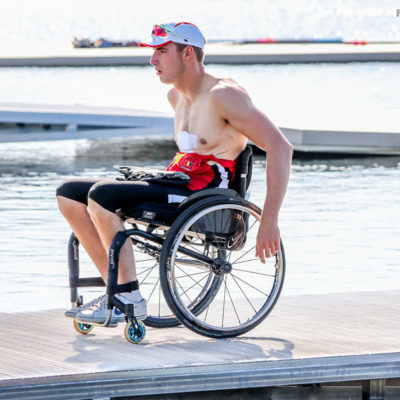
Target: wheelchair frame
{"points": [[160, 247]]}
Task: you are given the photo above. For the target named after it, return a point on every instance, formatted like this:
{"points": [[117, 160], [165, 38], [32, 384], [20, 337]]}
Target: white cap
{"points": [[181, 32]]}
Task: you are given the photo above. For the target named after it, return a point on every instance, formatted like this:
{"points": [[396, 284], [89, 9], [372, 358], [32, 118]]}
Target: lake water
{"points": [[56, 20], [340, 218], [339, 221]]}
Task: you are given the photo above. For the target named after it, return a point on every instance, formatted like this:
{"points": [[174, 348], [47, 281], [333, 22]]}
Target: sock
{"points": [[133, 297]]}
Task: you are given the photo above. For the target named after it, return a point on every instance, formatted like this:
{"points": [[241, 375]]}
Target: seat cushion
{"points": [[155, 213]]}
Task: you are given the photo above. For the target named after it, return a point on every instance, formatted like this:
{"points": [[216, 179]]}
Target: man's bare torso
{"points": [[215, 135]]}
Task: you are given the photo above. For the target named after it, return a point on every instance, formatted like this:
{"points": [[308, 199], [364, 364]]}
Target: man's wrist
{"points": [[270, 215]]}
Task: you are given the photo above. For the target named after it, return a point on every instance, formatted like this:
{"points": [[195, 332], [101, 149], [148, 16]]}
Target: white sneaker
{"points": [[98, 312], [75, 310]]}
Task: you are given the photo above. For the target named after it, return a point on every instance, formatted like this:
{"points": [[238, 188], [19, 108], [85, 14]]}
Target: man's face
{"points": [[167, 61]]}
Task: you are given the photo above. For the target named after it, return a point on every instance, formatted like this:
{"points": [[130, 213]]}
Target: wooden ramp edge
{"points": [[204, 378]]}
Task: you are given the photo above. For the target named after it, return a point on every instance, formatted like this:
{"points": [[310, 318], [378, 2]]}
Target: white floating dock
{"points": [[57, 55], [345, 132], [307, 339]]}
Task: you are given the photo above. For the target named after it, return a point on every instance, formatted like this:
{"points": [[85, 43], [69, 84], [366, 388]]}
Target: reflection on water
{"points": [[339, 221]]}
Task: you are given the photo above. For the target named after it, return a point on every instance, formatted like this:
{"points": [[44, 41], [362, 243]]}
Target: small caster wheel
{"points": [[82, 327], [135, 333]]}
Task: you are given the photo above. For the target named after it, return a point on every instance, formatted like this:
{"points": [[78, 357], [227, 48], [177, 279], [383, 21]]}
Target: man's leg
{"points": [[72, 198], [108, 224], [82, 225], [72, 201], [104, 199]]}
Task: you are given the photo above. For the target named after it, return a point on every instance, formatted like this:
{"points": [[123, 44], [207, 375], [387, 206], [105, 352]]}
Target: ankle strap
{"points": [[125, 287]]}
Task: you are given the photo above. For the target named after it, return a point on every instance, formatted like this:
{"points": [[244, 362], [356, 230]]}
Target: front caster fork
{"points": [[135, 331]]}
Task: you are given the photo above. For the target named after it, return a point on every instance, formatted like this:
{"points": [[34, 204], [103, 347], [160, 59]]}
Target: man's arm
{"points": [[233, 104]]}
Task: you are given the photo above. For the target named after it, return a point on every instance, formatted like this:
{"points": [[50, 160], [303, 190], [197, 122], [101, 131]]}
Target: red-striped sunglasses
{"points": [[162, 31]]}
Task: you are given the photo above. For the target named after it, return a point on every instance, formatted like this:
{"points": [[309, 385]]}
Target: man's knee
{"points": [[75, 189], [64, 196], [100, 197], [65, 188]]}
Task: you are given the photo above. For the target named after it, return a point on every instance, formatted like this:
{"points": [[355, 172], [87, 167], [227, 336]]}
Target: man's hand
{"points": [[268, 241]]}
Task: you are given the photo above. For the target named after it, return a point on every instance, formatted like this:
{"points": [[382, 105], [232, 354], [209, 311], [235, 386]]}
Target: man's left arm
{"points": [[234, 105]]}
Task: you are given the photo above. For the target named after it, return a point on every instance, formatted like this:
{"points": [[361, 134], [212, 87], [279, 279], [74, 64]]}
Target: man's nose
{"points": [[153, 59]]}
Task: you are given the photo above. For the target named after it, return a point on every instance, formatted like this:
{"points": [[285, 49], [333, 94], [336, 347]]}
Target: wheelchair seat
{"points": [[157, 213]]}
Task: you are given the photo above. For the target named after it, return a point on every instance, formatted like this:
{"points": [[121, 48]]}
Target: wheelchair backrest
{"points": [[243, 171]]}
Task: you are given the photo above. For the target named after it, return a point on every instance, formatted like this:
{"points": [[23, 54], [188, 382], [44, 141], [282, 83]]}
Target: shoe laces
{"points": [[95, 303]]}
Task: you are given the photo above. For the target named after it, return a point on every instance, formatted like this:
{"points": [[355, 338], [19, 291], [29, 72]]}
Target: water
{"points": [[279, 90], [340, 218], [286, 93], [57, 20], [339, 221]]}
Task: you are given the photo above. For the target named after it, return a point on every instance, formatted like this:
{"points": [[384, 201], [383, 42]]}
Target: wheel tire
{"points": [[185, 316], [134, 337], [82, 328]]}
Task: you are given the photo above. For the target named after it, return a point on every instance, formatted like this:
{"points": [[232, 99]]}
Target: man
{"points": [[214, 118]]}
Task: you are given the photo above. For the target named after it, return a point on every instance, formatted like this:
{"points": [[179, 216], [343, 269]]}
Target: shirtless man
{"points": [[214, 118]]}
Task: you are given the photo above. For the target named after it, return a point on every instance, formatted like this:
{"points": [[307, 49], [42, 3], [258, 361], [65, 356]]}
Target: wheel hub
{"points": [[221, 267]]}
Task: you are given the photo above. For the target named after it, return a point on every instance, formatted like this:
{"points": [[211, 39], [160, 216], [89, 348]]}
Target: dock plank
{"points": [[345, 336]]}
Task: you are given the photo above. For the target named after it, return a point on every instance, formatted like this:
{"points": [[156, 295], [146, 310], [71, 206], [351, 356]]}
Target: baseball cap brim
{"points": [[155, 41]]}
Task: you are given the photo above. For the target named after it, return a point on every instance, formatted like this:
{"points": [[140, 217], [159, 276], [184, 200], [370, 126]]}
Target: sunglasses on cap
{"points": [[162, 31]]}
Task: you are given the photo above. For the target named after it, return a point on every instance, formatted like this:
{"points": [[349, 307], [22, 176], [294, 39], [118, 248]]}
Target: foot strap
{"points": [[125, 287]]}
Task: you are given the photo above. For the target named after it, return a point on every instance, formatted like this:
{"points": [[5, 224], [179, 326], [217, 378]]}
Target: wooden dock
{"points": [[307, 339], [64, 55]]}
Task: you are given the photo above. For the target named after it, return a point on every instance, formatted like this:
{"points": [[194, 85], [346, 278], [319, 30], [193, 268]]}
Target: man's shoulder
{"points": [[225, 88], [173, 96], [227, 91]]}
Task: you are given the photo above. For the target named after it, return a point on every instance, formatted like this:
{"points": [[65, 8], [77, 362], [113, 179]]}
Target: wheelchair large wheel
{"points": [[147, 269], [248, 289]]}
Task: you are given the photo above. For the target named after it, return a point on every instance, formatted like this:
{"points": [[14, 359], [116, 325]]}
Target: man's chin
{"points": [[163, 79]]}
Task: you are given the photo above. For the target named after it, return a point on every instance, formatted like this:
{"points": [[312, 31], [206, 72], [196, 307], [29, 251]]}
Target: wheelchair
{"points": [[195, 263]]}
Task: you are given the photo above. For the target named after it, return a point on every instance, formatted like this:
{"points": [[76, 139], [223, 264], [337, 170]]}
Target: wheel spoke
{"points": [[183, 292], [227, 220], [142, 272], [208, 307], [255, 221], [147, 274], [223, 308], [248, 251], [159, 301], [151, 294], [196, 273], [244, 294], [195, 283], [258, 290], [191, 246], [254, 272], [187, 275], [230, 297]]}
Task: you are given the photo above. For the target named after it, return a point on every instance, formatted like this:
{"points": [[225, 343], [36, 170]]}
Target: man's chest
{"points": [[199, 119]]}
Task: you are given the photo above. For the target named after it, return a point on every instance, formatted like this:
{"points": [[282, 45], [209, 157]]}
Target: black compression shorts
{"points": [[116, 195]]}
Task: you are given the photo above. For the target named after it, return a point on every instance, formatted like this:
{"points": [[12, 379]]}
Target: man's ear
{"points": [[188, 53]]}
